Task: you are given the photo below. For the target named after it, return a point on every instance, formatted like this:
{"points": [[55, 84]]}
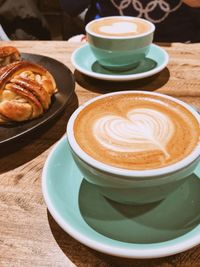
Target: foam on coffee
{"points": [[136, 131], [119, 26]]}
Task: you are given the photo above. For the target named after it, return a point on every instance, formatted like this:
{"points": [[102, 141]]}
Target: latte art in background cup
{"points": [[119, 42], [116, 26], [135, 146]]}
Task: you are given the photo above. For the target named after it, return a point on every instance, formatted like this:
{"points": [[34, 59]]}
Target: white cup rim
{"points": [[152, 28], [125, 172]]}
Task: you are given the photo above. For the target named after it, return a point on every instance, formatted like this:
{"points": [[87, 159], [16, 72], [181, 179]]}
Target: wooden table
{"points": [[29, 236]]}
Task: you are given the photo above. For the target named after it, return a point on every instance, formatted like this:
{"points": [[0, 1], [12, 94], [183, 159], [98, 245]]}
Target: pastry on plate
{"points": [[8, 54], [26, 91]]}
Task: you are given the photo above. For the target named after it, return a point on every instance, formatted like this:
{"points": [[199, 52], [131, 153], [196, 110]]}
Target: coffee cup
{"points": [[120, 42], [136, 147]]}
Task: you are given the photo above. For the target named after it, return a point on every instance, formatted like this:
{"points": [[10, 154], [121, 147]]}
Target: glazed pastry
{"points": [[25, 91], [8, 54]]}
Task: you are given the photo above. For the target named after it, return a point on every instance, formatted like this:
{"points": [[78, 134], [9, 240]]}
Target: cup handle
{"points": [[197, 171]]}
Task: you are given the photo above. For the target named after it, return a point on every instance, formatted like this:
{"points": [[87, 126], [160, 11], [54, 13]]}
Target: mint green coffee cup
{"points": [[151, 180], [120, 42]]}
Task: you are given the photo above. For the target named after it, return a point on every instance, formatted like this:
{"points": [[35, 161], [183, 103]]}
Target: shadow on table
{"points": [[28, 147], [81, 255], [152, 83]]}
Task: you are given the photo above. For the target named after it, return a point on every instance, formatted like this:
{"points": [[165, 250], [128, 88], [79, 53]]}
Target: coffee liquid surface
{"points": [[136, 131], [119, 27]]}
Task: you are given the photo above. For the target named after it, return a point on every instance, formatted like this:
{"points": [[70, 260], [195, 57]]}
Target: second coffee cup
{"points": [[120, 42]]}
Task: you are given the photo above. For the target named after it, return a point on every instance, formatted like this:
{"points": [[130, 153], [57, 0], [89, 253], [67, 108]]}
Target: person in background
{"points": [[22, 20], [175, 20]]}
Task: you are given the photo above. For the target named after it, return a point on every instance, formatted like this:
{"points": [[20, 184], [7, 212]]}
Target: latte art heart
{"points": [[136, 130], [119, 28], [141, 130]]}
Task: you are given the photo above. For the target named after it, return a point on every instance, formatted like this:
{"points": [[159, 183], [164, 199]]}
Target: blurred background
{"points": [[37, 20], [175, 20]]}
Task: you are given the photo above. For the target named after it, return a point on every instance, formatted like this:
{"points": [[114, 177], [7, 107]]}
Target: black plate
{"points": [[65, 84]]}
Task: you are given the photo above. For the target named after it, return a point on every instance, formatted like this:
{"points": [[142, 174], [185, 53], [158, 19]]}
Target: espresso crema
{"points": [[136, 131], [119, 27]]}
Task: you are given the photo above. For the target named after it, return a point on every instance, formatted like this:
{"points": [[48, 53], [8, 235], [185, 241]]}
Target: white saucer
{"points": [[85, 62]]}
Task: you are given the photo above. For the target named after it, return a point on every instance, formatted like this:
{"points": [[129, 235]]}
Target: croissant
{"points": [[8, 54], [25, 91]]}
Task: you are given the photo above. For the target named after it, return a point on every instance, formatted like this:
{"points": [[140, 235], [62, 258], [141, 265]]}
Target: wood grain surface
{"points": [[29, 236]]}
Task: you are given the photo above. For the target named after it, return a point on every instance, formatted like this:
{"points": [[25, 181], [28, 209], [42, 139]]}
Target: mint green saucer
{"points": [[85, 62], [148, 231]]}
